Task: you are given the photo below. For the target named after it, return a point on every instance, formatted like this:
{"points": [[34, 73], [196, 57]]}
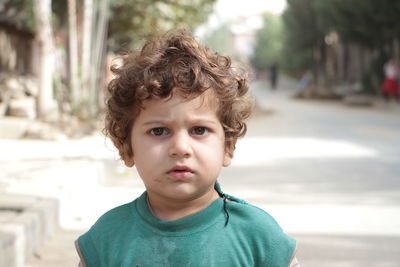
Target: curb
{"points": [[26, 222], [15, 127]]}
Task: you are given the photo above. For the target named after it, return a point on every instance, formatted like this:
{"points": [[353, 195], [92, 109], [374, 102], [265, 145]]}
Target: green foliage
{"points": [[133, 21], [220, 40], [18, 13], [303, 35], [60, 13], [268, 44], [369, 23]]}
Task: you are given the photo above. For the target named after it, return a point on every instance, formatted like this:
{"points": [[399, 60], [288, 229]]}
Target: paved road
{"points": [[328, 173]]}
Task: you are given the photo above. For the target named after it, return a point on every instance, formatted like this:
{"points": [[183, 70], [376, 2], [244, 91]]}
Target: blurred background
{"points": [[322, 153]]}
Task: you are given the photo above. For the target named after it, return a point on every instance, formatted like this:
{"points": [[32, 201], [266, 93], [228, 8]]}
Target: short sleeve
{"points": [[282, 252], [88, 250]]}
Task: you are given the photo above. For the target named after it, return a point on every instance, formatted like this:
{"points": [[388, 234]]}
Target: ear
{"points": [[227, 160], [129, 162], [128, 159], [229, 153]]}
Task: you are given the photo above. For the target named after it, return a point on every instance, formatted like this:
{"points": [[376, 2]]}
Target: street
{"points": [[327, 172]]}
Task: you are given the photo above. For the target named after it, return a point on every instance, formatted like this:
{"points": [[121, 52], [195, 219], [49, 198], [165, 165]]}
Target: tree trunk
{"points": [[86, 47], [42, 10], [99, 53], [396, 51], [341, 62], [73, 55], [320, 62]]}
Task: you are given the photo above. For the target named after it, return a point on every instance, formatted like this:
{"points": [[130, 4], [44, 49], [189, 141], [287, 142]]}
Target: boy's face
{"points": [[178, 146]]}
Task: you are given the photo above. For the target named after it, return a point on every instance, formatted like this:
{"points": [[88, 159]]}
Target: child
{"points": [[390, 86], [175, 111]]}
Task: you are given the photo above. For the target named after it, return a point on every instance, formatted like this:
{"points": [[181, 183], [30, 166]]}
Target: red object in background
{"points": [[390, 87]]}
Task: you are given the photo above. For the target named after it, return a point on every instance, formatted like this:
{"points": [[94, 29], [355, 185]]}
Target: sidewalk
{"points": [[83, 176], [288, 88], [59, 250]]}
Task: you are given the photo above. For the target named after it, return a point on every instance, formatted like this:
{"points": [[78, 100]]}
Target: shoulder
{"points": [[258, 223], [98, 238], [263, 232], [114, 218], [117, 213], [108, 224], [245, 213]]}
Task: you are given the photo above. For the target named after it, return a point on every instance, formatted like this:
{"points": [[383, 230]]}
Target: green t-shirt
{"points": [[130, 236]]}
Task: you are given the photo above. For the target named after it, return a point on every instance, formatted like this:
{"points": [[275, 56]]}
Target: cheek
{"points": [[213, 150], [146, 152]]}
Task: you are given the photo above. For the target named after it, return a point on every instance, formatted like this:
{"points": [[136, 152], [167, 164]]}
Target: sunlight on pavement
{"points": [[319, 216], [255, 151], [94, 147], [337, 219]]}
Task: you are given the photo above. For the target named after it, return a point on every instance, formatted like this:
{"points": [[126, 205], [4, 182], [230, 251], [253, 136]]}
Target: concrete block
{"points": [[7, 248], [22, 107], [30, 221], [13, 128], [18, 255]]}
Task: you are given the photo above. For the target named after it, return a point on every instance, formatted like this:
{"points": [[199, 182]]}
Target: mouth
{"points": [[180, 172]]}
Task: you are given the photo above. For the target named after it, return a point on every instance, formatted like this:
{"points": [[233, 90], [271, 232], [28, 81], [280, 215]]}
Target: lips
{"points": [[180, 172]]}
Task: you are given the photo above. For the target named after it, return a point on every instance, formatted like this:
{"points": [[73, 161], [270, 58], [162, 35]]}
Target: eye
{"points": [[159, 131], [198, 130]]}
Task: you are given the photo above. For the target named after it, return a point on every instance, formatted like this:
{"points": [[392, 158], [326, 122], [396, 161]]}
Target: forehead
{"points": [[205, 101]]}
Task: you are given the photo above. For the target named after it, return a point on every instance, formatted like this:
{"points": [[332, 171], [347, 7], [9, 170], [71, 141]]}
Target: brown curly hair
{"points": [[175, 63]]}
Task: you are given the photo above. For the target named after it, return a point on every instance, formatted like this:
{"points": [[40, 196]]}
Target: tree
{"points": [[371, 25], [18, 12], [268, 44], [35, 16], [87, 34], [73, 53], [99, 54], [133, 21], [220, 40], [42, 11], [304, 44], [86, 67], [130, 21], [94, 26]]}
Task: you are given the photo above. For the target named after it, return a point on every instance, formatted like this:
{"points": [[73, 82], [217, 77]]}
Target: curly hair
{"points": [[175, 63]]}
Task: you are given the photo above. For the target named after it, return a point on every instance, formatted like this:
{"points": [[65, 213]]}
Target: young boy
{"points": [[175, 111]]}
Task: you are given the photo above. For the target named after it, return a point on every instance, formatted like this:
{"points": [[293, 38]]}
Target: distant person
{"points": [[305, 80], [176, 110], [273, 75], [390, 86]]}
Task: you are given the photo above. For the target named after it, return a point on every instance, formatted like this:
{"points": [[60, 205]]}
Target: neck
{"points": [[172, 210]]}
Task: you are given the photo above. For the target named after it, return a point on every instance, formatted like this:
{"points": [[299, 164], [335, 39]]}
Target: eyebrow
{"points": [[194, 121], [153, 122]]}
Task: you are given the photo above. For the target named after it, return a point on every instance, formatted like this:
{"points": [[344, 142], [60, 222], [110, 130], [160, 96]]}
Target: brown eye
{"points": [[158, 131], [199, 131]]}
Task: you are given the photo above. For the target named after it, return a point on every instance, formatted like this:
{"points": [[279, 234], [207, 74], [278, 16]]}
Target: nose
{"points": [[180, 145]]}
